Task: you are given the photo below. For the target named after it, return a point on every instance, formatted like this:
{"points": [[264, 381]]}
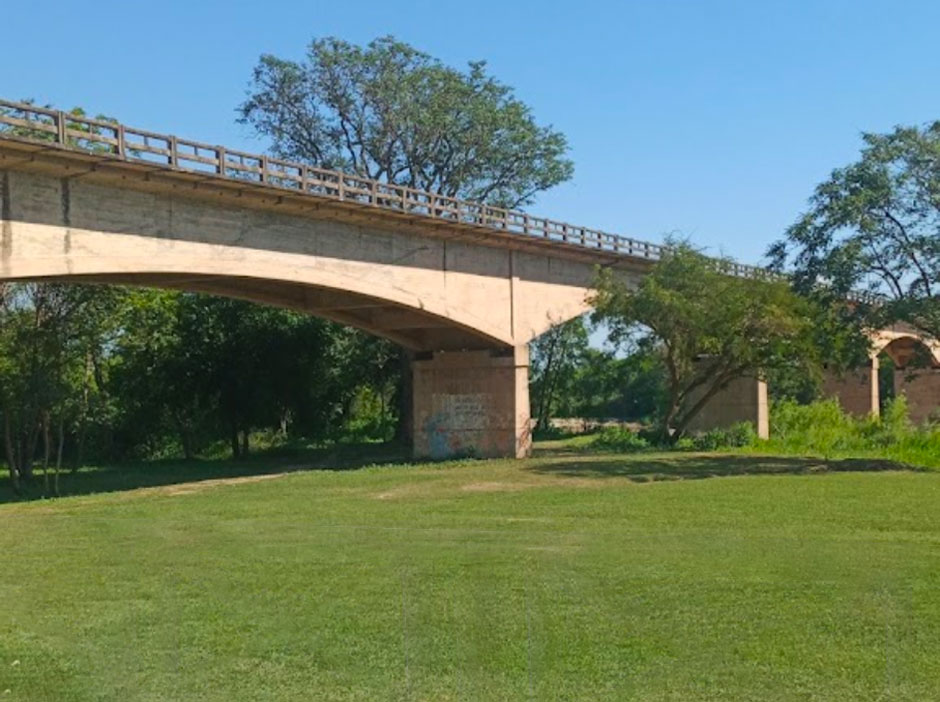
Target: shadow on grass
{"points": [[641, 468], [130, 476]]}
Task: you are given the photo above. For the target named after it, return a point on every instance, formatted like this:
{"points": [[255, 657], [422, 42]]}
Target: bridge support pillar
{"points": [[856, 391], [472, 403], [742, 400], [921, 386]]}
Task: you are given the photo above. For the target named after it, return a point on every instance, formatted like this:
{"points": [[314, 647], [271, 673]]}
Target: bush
{"points": [[736, 436], [619, 439], [822, 428], [818, 429], [551, 433]]}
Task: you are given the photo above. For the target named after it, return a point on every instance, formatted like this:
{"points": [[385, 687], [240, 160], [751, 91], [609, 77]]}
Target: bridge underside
{"points": [[408, 327], [470, 397]]}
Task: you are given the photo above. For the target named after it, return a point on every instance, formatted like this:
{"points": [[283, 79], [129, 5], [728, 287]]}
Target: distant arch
{"points": [[905, 346]]}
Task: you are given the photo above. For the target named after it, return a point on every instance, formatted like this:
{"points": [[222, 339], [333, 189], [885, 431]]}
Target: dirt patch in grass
{"points": [[198, 486], [495, 486]]}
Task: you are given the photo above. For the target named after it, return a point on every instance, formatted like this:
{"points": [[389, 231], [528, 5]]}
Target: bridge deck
{"points": [[110, 148]]}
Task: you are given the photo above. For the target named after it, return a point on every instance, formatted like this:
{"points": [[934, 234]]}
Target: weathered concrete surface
{"points": [[425, 293], [921, 387], [917, 375], [904, 344], [472, 403], [856, 391], [742, 400]]}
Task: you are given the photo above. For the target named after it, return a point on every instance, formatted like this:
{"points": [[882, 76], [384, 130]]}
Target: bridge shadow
{"points": [[143, 474], [641, 468]]}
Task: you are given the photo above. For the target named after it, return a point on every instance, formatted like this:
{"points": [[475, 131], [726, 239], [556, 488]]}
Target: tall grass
{"points": [[823, 429], [820, 429]]}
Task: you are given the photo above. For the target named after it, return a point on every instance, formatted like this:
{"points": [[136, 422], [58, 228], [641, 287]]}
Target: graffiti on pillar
{"points": [[453, 429]]}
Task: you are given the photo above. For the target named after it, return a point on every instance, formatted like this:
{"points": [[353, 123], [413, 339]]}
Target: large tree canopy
{"points": [[709, 328], [395, 114], [875, 225]]}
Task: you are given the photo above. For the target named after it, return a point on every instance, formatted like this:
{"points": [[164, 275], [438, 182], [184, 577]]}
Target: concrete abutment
{"points": [[472, 403], [742, 400], [856, 391]]}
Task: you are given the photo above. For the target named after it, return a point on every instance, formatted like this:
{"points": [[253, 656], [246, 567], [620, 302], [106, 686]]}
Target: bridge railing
{"points": [[69, 130], [28, 121]]}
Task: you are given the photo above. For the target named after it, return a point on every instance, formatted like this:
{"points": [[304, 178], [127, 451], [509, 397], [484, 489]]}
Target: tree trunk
{"points": [[720, 383], [233, 437], [541, 416], [11, 453], [666, 434], [383, 409], [83, 415], [245, 434], [58, 455], [28, 452], [46, 451], [404, 429], [79, 446], [186, 437]]}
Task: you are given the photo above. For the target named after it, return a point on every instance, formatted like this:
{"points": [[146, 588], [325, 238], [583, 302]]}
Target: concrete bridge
{"points": [[465, 286]]}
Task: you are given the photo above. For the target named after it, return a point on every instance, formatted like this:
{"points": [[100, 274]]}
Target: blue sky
{"points": [[710, 119]]}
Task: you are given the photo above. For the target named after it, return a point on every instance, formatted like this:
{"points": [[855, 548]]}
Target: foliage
{"points": [[231, 366], [555, 357], [823, 429], [707, 328], [606, 384], [394, 114], [875, 225], [619, 439], [52, 344], [736, 436], [99, 372]]}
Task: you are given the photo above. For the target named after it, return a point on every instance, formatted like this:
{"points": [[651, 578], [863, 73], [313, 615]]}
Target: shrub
{"points": [[736, 436], [818, 429], [822, 428], [619, 439]]}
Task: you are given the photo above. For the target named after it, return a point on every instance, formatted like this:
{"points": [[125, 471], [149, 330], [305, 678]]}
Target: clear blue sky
{"points": [[712, 119]]}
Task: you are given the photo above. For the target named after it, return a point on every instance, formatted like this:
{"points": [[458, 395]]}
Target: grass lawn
{"points": [[563, 577]]}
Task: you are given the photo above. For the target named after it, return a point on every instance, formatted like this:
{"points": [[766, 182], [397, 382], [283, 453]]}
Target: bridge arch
{"points": [[415, 328], [914, 371], [466, 307], [906, 346], [427, 293]]}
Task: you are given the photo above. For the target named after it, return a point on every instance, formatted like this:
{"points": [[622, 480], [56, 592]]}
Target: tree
{"points": [[48, 333], [555, 358], [73, 126], [875, 226], [610, 385], [708, 328], [394, 114], [195, 366]]}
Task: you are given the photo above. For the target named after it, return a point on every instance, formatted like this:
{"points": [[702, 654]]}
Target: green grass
{"points": [[563, 577]]}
